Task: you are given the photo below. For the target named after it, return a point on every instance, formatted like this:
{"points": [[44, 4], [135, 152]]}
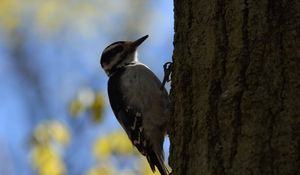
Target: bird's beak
{"points": [[139, 41]]}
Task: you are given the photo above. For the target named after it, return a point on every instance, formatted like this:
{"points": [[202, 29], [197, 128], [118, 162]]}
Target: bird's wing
{"points": [[131, 103]]}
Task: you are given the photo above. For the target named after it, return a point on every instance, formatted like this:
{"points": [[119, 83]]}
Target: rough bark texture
{"points": [[236, 87]]}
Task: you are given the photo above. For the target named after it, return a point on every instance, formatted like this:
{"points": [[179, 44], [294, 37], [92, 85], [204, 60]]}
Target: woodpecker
{"points": [[138, 100]]}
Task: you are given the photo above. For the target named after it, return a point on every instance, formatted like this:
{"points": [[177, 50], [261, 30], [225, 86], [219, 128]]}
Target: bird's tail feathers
{"points": [[158, 161]]}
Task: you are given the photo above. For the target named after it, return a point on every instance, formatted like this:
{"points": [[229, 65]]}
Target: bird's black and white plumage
{"points": [[137, 100]]}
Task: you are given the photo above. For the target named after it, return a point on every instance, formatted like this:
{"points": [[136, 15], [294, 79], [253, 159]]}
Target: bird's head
{"points": [[119, 54]]}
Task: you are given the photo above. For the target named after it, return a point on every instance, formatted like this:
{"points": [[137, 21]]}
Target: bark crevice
{"points": [[187, 89], [242, 85], [215, 148]]}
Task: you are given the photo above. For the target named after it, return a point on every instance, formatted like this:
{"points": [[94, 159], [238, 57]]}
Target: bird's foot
{"points": [[168, 69]]}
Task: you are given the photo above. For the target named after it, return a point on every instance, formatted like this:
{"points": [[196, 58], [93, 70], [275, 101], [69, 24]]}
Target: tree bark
{"points": [[236, 87]]}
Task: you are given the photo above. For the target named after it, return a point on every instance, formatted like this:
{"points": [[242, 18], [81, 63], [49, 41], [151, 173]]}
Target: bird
{"points": [[139, 103]]}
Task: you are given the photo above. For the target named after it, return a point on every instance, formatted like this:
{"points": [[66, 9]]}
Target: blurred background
{"points": [[55, 117]]}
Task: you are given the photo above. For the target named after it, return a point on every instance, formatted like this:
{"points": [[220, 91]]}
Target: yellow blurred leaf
{"points": [[145, 168], [46, 161], [49, 15], [102, 148], [41, 134], [45, 158], [89, 100], [75, 108], [116, 142], [101, 170], [120, 143], [51, 131], [97, 108], [59, 133], [9, 14]]}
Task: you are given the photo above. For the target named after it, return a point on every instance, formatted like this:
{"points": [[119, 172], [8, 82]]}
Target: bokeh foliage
{"points": [[27, 29], [49, 139], [88, 100]]}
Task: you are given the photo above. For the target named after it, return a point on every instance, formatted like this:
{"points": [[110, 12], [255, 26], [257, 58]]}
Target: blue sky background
{"points": [[54, 64]]}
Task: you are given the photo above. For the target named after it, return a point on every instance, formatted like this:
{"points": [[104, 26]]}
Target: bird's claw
{"points": [[168, 68]]}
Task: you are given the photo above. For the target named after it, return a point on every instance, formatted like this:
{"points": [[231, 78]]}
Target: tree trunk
{"points": [[236, 87]]}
